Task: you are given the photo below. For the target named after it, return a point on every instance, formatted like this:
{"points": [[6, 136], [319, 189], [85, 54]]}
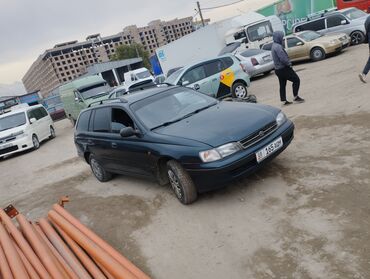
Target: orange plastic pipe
{"points": [[63, 250], [5, 271], [39, 247], [101, 256], [24, 245], [30, 270], [81, 255], [11, 254], [65, 268], [104, 245]]}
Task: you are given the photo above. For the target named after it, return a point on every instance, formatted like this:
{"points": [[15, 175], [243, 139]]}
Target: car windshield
{"points": [[12, 121], [259, 31], [180, 103], [173, 77], [142, 75], [354, 13], [95, 91], [309, 36], [252, 52]]}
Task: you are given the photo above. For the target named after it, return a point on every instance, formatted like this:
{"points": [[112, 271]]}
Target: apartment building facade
{"points": [[69, 60]]}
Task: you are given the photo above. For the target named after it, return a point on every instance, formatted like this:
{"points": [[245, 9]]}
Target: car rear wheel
{"points": [[317, 54], [99, 172], [239, 90], [357, 38], [35, 142], [52, 132], [181, 183], [267, 73]]}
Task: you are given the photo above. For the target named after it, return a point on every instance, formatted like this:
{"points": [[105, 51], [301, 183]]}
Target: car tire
{"points": [[239, 90], [35, 142], [181, 183], [99, 172], [357, 37], [317, 54], [52, 132], [73, 122]]}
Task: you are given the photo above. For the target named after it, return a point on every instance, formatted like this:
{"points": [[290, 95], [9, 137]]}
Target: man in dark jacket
{"points": [[367, 66], [283, 69]]}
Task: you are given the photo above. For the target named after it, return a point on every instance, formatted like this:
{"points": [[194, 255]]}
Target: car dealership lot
{"points": [[303, 216]]}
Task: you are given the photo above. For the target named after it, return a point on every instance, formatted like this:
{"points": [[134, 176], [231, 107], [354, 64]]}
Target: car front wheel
{"points": [[99, 172], [35, 142], [357, 37], [239, 90], [181, 183], [52, 132], [317, 54]]}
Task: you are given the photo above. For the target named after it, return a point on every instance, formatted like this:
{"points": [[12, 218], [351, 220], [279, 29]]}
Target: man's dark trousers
{"points": [[284, 75]]}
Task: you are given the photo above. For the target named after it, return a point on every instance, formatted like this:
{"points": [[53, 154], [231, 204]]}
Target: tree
{"points": [[132, 51]]}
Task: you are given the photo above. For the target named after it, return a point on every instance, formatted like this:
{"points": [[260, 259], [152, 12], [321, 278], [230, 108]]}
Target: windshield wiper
{"points": [[183, 117]]}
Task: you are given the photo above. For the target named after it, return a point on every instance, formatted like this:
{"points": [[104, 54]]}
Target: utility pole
{"points": [[200, 13]]}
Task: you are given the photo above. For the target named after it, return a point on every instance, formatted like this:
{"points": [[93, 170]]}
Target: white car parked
{"points": [[23, 127]]}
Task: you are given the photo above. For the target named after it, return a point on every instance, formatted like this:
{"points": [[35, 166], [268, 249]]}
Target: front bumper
{"points": [[17, 145], [211, 176]]}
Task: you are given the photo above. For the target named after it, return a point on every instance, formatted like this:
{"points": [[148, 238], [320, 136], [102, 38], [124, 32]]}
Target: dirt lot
{"points": [[306, 215]]}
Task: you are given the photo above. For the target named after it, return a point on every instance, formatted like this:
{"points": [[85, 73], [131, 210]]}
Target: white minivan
{"points": [[23, 127]]}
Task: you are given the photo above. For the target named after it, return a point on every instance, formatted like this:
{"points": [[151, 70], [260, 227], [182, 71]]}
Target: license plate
{"points": [[269, 149], [6, 146]]}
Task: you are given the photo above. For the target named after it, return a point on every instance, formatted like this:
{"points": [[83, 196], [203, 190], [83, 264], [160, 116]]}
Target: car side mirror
{"points": [[299, 44], [128, 132], [78, 100], [185, 83], [33, 120], [344, 22]]}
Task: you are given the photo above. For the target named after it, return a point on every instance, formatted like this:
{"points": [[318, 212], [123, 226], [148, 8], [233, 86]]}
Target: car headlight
{"points": [[20, 133], [280, 118], [219, 152], [333, 42]]}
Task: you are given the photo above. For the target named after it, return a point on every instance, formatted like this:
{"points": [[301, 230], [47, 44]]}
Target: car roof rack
{"points": [[113, 100], [320, 14]]}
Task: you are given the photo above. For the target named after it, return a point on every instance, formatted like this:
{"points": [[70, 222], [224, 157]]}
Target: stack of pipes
{"points": [[58, 246]]}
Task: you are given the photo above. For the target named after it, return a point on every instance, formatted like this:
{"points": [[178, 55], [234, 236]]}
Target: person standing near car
{"points": [[367, 66], [283, 69]]}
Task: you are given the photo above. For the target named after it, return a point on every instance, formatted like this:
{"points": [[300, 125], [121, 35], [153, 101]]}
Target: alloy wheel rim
{"points": [[317, 54], [175, 184], [96, 169], [35, 142], [240, 91], [356, 38]]}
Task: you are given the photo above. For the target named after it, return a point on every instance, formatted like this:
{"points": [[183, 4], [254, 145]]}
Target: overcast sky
{"points": [[29, 27]]}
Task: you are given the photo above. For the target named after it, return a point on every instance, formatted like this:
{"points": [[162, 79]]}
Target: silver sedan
{"points": [[256, 61]]}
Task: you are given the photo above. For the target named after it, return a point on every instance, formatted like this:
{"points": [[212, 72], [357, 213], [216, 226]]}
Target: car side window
{"points": [[228, 62], [120, 119], [102, 119], [44, 113], [193, 75], [293, 42], [311, 25], [83, 121], [35, 113], [335, 20], [213, 67]]}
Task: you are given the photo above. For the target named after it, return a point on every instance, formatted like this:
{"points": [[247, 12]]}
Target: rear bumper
{"points": [[260, 69], [239, 165], [17, 145]]}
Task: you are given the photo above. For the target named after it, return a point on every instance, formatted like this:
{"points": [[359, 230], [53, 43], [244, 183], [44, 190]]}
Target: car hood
{"points": [[223, 123], [11, 132]]}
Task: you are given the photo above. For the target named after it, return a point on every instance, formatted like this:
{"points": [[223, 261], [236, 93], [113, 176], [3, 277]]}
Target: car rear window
{"points": [[83, 121]]}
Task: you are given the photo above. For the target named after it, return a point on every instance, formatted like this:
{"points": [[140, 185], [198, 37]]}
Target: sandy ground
{"points": [[306, 215]]}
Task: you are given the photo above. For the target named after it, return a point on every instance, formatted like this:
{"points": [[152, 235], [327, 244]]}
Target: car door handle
{"points": [[196, 86], [114, 145], [215, 79]]}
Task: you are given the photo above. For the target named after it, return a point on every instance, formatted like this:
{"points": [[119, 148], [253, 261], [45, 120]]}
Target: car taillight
{"points": [[254, 61], [243, 68]]}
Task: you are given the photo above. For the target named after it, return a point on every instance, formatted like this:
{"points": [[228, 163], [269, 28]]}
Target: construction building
{"points": [[69, 60]]}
